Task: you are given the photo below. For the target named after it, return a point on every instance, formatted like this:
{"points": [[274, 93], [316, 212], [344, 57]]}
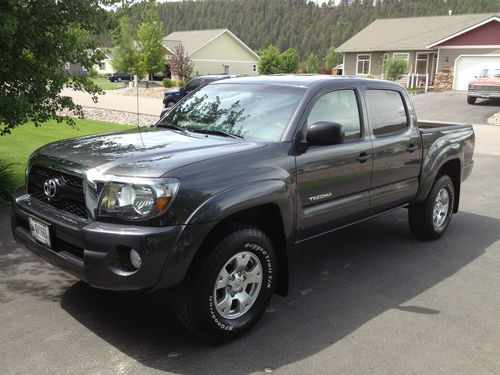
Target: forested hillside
{"points": [[299, 23]]}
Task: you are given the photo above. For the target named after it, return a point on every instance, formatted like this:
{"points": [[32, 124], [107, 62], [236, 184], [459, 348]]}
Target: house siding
{"points": [[488, 34], [453, 54], [377, 59], [224, 50], [217, 67]]}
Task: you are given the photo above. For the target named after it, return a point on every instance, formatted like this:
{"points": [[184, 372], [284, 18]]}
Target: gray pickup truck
{"points": [[208, 201]]}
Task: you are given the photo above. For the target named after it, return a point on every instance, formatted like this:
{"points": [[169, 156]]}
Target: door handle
{"points": [[412, 148], [363, 157]]}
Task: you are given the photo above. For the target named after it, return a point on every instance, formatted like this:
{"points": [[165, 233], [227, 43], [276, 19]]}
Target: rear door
{"points": [[333, 181], [397, 149]]}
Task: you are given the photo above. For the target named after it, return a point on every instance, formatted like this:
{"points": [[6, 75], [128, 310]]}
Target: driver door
{"points": [[333, 181]]}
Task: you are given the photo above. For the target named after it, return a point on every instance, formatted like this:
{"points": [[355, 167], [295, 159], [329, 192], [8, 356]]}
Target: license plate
{"points": [[40, 231]]}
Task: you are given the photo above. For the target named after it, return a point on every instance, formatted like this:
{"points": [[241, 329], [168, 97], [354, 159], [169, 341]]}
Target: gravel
{"points": [[119, 117], [152, 92], [495, 119]]}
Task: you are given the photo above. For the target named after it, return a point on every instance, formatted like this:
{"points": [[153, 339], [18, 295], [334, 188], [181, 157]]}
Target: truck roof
{"points": [[298, 80]]}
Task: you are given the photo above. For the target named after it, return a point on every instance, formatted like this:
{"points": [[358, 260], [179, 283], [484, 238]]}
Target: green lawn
{"points": [[16, 147], [106, 84]]}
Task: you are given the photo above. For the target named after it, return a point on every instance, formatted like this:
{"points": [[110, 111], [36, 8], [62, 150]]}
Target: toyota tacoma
{"points": [[208, 202]]}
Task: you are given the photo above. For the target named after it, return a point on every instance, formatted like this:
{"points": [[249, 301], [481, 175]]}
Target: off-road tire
{"points": [[421, 215], [194, 301]]}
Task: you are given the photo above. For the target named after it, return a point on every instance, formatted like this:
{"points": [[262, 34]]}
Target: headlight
{"points": [[138, 199]]}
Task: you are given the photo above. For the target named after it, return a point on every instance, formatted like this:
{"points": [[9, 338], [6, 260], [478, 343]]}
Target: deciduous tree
{"points": [[37, 38], [180, 63]]}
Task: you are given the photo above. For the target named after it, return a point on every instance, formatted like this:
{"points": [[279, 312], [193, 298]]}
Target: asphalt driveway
{"points": [[451, 106], [369, 299]]}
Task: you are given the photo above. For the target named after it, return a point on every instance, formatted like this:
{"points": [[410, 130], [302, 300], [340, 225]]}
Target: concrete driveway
{"points": [[370, 299], [451, 106]]}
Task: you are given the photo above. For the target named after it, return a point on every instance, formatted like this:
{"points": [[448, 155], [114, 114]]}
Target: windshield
{"points": [[254, 112], [490, 73]]}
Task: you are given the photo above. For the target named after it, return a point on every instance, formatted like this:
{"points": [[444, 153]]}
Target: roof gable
{"points": [[404, 34], [192, 41], [484, 33]]}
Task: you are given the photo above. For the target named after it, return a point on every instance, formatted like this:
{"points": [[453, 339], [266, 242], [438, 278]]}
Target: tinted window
{"points": [[193, 84], [386, 112], [341, 107]]}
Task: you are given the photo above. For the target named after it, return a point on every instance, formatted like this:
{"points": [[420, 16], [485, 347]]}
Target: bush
{"points": [[167, 82], [93, 73], [7, 182], [395, 68], [180, 83]]}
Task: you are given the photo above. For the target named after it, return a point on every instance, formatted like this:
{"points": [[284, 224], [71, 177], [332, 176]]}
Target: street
{"points": [[369, 299]]}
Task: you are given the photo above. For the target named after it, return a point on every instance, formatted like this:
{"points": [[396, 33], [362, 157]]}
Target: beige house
{"points": [[457, 47], [214, 52]]}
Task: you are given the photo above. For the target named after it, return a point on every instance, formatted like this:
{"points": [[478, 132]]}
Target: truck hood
{"points": [[150, 152], [486, 81]]}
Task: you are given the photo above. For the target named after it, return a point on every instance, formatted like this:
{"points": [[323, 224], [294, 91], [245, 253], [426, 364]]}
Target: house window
{"points": [[254, 68], [403, 56], [102, 65], [67, 66], [363, 64]]}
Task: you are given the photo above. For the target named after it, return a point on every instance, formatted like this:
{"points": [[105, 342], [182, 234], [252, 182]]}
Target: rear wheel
{"points": [[170, 105], [471, 99], [430, 218], [229, 287]]}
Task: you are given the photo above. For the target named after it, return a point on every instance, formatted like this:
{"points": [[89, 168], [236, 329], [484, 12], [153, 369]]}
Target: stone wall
{"points": [[443, 81]]}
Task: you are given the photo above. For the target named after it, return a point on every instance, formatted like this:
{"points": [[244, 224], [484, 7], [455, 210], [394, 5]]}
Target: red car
{"points": [[486, 86]]}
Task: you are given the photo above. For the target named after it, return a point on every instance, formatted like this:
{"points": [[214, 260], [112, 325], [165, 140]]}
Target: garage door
{"points": [[466, 67]]}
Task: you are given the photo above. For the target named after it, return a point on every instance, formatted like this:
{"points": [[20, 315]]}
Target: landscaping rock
{"points": [[151, 92], [494, 120], [119, 117]]}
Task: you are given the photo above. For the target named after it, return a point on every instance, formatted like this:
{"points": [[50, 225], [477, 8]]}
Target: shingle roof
{"points": [[404, 34], [191, 40]]}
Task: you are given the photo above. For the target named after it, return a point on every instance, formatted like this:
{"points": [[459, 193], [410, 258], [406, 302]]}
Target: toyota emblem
{"points": [[51, 187]]}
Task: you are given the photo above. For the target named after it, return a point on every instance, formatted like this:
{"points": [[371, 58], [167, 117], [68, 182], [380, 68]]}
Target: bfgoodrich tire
{"points": [[229, 286], [430, 218]]}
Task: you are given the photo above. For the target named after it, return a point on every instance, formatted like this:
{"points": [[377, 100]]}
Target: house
{"points": [[74, 69], [447, 50], [214, 52], [105, 65]]}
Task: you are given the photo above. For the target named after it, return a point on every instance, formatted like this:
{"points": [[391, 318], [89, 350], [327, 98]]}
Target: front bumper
{"points": [[95, 252], [484, 94]]}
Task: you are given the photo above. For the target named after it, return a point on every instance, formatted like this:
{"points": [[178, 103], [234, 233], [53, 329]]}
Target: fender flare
{"points": [[432, 164], [219, 207]]}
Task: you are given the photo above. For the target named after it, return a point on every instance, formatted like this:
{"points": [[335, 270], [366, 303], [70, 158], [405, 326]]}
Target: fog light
{"points": [[135, 258]]}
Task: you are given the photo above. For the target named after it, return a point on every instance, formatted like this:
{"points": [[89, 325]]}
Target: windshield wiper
{"points": [[170, 126], [216, 132]]}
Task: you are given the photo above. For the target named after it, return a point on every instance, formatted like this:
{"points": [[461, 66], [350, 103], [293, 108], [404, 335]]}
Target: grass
{"points": [[106, 84], [16, 147]]}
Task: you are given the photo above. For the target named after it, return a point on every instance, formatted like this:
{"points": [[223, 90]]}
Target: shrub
{"points": [[180, 83], [167, 82], [395, 68], [7, 182], [93, 73]]}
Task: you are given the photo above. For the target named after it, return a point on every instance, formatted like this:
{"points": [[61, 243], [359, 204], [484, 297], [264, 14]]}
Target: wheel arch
{"points": [[266, 205]]}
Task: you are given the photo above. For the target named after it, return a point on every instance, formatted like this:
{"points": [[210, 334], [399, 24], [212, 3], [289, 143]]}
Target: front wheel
{"points": [[430, 219], [230, 285], [471, 99]]}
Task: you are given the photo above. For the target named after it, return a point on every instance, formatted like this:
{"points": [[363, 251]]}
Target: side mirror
{"points": [[325, 133]]}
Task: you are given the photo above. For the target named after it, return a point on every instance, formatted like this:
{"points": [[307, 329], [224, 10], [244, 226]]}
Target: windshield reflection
{"points": [[258, 112]]}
